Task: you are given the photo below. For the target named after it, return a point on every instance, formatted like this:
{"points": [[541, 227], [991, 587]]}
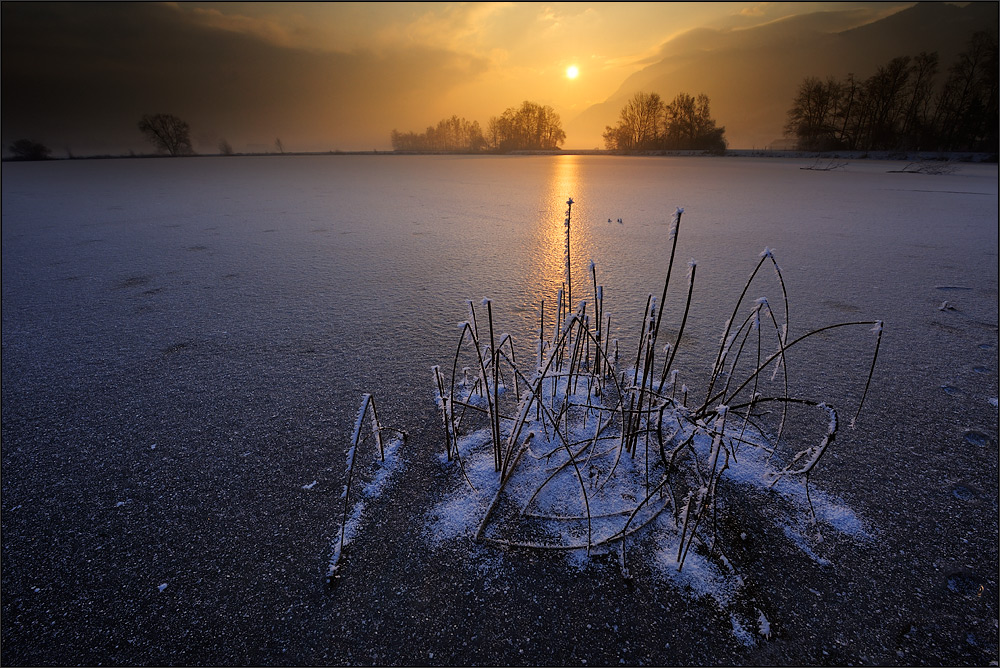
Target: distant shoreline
{"points": [[913, 156]]}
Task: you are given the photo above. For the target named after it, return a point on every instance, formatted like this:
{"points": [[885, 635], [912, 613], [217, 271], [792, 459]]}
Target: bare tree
{"points": [[168, 133], [920, 92], [967, 106], [812, 118], [647, 122], [639, 124], [225, 148], [897, 107], [450, 135], [27, 149], [529, 127]]}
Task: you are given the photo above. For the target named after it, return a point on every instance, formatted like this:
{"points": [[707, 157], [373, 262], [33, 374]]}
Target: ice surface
{"points": [[260, 295]]}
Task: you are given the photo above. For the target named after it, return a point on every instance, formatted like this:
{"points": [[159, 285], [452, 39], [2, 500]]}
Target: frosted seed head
{"points": [[675, 221]]}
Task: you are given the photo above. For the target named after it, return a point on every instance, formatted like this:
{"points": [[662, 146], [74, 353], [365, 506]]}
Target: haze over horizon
{"points": [[342, 76]]}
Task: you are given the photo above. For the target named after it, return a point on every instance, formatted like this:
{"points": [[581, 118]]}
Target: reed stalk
{"points": [[548, 406]]}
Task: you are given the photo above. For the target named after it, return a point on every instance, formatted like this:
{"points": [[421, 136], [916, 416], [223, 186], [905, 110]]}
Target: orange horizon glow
{"points": [[330, 76]]}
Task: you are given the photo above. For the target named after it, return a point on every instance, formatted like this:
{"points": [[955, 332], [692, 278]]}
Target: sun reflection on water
{"points": [[547, 269]]}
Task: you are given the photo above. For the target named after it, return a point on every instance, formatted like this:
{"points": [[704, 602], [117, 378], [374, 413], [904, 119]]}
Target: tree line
{"points": [[647, 122], [167, 133], [450, 134], [529, 127], [900, 107]]}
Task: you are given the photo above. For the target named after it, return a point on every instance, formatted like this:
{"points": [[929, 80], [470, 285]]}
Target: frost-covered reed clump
{"points": [[592, 442]]}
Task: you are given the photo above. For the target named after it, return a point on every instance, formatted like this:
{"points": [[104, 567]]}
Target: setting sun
{"points": [[572, 72]]}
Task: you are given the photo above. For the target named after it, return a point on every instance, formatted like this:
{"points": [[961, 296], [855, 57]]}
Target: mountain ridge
{"points": [[751, 74]]}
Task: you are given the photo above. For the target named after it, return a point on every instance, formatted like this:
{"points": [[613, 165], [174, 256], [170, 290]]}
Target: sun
{"points": [[572, 72]]}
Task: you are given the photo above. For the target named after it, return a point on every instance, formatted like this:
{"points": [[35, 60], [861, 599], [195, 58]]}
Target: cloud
{"points": [[266, 29], [757, 9], [460, 27]]}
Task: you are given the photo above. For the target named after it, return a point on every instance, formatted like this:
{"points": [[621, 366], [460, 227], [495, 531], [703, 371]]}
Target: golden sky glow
{"points": [[343, 75], [524, 48]]}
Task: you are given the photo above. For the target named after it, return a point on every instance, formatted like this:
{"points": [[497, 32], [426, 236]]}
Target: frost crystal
{"points": [[764, 626]]}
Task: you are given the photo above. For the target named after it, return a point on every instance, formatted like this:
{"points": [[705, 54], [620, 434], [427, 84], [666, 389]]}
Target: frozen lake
{"points": [[185, 343]]}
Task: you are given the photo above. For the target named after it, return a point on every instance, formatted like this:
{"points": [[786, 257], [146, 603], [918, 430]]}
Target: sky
{"points": [[332, 76]]}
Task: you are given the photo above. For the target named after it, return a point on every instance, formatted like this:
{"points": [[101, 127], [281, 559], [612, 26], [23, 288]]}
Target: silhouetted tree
{"points": [[967, 106], [225, 148], [646, 122], [916, 130], [530, 127], [845, 113], [884, 93], [897, 108], [168, 133], [640, 124], [451, 134], [688, 125], [27, 149], [813, 116]]}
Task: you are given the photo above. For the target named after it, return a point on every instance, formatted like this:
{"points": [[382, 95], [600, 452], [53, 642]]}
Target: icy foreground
{"points": [[185, 343], [581, 460]]}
